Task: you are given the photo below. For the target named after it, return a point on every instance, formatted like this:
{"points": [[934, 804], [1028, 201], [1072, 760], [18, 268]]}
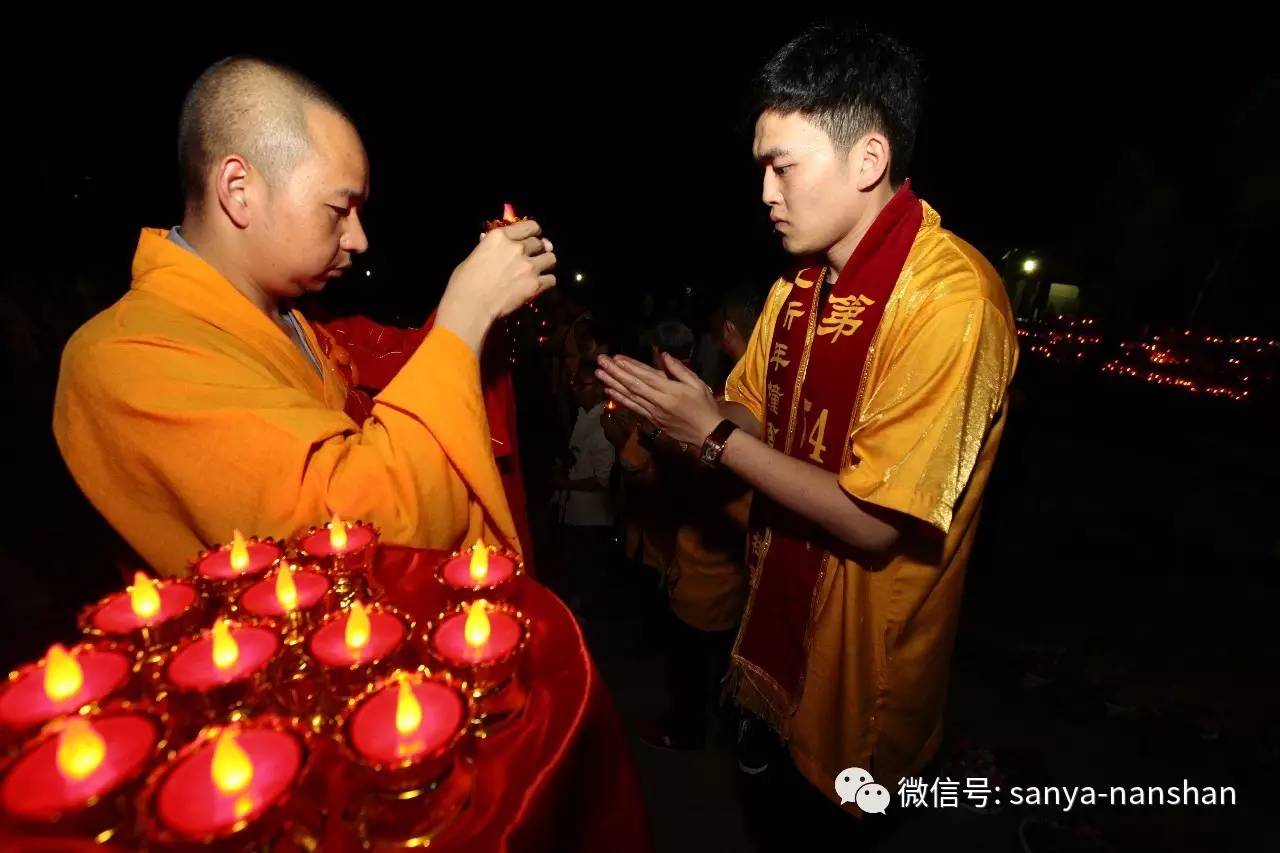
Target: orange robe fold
{"points": [[183, 412]]}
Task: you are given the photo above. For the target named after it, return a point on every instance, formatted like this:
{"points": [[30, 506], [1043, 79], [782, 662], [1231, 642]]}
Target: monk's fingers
{"points": [[543, 263], [533, 246], [521, 231]]}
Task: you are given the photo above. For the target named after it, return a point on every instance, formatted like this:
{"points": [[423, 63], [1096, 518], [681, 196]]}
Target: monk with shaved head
{"points": [[202, 401]]}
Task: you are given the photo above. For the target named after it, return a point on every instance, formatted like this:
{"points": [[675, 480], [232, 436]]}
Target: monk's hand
{"points": [[509, 267], [676, 401]]}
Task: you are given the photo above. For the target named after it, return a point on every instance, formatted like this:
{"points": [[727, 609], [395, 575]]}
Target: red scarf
{"points": [[814, 383]]}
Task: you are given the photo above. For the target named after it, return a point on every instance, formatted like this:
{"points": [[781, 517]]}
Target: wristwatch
{"points": [[713, 446]]}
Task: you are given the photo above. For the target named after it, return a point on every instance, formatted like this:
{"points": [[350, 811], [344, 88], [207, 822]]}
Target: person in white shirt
{"points": [[582, 492]]}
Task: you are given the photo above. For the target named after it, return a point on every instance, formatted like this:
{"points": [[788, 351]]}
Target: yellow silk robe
{"points": [[925, 439], [183, 412]]}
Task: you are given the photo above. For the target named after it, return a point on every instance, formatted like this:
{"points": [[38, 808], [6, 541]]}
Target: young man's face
{"points": [[811, 191]]}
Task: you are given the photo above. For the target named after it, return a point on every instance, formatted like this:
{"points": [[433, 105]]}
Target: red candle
{"points": [[194, 667], [408, 719], [81, 676], [478, 568], [196, 804], [321, 544], [261, 599], [118, 616], [383, 635], [228, 562], [454, 643], [56, 775]]}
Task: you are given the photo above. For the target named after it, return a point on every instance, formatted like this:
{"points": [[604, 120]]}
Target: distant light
{"points": [[1030, 265], [577, 277], [368, 273]]}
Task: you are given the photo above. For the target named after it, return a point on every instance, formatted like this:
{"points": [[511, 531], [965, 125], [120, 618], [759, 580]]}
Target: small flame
{"points": [[232, 770], [80, 749], [408, 710], [509, 214], [338, 533], [479, 562], [477, 628], [225, 650], [286, 589], [239, 552], [63, 676], [358, 628], [143, 596]]}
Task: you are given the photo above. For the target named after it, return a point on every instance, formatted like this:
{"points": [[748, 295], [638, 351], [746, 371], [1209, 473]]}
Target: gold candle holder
{"points": [[292, 816], [260, 602], [222, 583], [406, 801], [105, 620], [24, 708], [330, 684], [295, 687], [349, 568], [499, 584], [498, 692], [196, 698], [136, 734]]}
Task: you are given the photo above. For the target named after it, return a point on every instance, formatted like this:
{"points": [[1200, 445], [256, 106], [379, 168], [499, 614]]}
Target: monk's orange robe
{"points": [[183, 412]]}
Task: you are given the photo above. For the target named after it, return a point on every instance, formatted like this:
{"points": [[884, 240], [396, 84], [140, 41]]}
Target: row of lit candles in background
{"points": [[392, 714]]}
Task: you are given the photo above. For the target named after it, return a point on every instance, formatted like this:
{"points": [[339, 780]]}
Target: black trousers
{"points": [[694, 663]]}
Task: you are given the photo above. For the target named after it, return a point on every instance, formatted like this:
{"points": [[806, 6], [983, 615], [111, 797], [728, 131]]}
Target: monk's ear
{"points": [[869, 160], [232, 183]]}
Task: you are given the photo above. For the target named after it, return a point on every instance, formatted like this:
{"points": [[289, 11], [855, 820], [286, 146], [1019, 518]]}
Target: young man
{"points": [[866, 414], [201, 401]]}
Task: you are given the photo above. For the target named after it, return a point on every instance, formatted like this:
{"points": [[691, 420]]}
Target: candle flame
{"points": [[286, 589], [225, 650], [358, 628], [509, 213], [479, 562], [477, 628], [80, 749], [143, 597], [239, 552], [232, 770], [338, 533], [63, 676], [408, 710]]}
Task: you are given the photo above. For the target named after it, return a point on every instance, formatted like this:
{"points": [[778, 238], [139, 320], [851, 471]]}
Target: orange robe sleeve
{"points": [[374, 353], [178, 441]]}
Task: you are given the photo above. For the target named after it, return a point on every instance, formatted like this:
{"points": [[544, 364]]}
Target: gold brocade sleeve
{"points": [[919, 432], [745, 384]]}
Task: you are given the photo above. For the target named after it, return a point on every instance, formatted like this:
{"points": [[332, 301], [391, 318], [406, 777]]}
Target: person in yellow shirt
{"points": [[706, 579], [201, 402], [865, 413]]}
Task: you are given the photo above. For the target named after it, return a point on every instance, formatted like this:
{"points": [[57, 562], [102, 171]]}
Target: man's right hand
{"points": [[508, 268]]}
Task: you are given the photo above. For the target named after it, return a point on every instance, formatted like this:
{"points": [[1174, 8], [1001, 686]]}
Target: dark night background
{"points": [[1129, 548]]}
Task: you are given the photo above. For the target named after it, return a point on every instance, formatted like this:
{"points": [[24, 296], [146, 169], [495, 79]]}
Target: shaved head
{"points": [[248, 107]]}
